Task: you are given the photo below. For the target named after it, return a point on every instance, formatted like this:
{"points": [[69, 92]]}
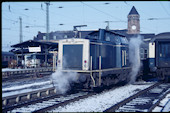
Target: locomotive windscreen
{"points": [[72, 56]]}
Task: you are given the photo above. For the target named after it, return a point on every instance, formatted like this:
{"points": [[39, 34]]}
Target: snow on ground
{"points": [[23, 86], [164, 105], [100, 102], [9, 69]]}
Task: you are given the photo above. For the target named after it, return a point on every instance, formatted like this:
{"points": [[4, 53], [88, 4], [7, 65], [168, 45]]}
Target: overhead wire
{"points": [[10, 9], [103, 12], [164, 8], [13, 12]]}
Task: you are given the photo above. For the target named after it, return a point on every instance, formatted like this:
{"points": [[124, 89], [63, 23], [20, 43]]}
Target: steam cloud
{"points": [[62, 81], [134, 57]]}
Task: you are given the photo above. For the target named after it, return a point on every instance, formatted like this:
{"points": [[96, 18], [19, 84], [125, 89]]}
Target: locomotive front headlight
{"points": [[85, 63]]}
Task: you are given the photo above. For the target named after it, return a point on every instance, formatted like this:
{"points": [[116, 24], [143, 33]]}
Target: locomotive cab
{"points": [[74, 55]]}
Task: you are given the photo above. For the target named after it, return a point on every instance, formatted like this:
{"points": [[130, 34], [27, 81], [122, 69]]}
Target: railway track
{"points": [[144, 101], [40, 101], [10, 75], [52, 103], [48, 99], [19, 100]]}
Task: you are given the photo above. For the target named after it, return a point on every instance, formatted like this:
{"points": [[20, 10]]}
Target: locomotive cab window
{"points": [[117, 40], [123, 40]]}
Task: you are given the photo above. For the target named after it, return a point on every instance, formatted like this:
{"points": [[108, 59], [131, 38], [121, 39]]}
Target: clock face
{"points": [[133, 27]]}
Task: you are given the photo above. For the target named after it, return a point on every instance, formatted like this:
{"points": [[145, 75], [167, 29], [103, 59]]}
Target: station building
{"points": [[33, 53]]}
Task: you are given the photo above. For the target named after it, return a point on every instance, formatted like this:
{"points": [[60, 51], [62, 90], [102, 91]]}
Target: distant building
{"points": [[133, 22]]}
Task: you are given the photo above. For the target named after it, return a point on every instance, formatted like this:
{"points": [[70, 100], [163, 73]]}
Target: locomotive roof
{"points": [[119, 40], [111, 31]]}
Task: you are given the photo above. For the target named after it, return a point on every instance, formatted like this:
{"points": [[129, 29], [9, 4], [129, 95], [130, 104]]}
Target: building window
{"points": [[54, 37], [44, 37], [65, 36]]}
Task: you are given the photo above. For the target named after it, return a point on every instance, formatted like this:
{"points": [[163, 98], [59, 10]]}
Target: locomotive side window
{"points": [[107, 37], [117, 39], [124, 55], [123, 40]]}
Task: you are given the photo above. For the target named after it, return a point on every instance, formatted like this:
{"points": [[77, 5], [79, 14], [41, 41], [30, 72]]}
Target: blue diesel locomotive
{"points": [[101, 59]]}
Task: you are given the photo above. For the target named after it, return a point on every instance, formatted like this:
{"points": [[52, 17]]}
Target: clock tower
{"points": [[133, 22]]}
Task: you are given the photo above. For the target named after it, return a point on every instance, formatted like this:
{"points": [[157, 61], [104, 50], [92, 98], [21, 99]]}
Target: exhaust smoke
{"points": [[134, 57], [62, 80]]}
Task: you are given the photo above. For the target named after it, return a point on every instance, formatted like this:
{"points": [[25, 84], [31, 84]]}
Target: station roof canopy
{"points": [[45, 45], [33, 43]]}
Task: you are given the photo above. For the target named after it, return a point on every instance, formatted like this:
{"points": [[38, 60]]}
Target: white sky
{"points": [[93, 14]]}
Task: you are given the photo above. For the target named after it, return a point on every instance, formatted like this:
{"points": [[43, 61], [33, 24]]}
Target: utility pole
{"points": [[21, 37], [47, 20]]}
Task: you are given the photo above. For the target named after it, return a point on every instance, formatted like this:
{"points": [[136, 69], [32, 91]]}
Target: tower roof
{"points": [[133, 11]]}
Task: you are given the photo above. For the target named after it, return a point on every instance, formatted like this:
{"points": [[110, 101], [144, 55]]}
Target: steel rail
{"points": [[64, 103], [28, 96], [124, 102]]}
